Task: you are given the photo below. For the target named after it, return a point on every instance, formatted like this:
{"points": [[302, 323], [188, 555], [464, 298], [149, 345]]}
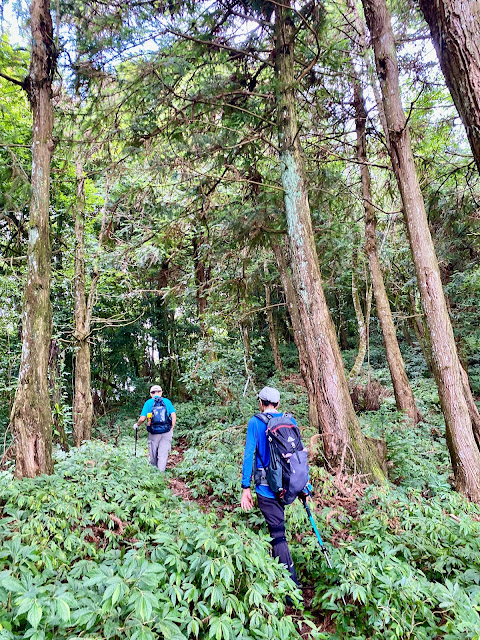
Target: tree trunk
{"points": [[406, 335], [272, 334], [305, 363], [464, 453], [201, 281], [416, 323], [472, 406], [31, 416], [82, 402], [340, 428], [401, 386], [455, 29], [363, 322]]}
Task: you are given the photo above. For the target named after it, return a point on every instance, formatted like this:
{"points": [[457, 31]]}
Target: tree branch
{"points": [[19, 83]]}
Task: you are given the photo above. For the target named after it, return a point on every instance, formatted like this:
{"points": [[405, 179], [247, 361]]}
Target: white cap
{"points": [[155, 388]]}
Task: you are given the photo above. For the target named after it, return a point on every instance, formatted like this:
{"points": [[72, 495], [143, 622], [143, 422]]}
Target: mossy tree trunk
{"points": [[464, 453], [31, 416], [340, 429]]}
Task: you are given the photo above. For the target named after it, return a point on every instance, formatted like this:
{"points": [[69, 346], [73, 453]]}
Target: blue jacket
{"points": [[256, 442]]}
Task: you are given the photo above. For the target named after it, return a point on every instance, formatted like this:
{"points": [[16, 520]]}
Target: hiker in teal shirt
{"points": [[159, 444]]}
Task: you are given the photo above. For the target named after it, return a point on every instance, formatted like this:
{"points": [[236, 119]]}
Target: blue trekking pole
{"points": [[303, 497]]}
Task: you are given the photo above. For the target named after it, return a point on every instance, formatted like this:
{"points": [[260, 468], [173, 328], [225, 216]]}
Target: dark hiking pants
{"points": [[274, 514]]}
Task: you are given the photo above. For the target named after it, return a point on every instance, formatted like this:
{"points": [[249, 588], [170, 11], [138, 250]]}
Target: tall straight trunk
{"points": [[363, 323], [341, 432], [305, 363], [455, 29], [31, 416], [464, 453], [82, 401], [272, 334], [401, 386]]}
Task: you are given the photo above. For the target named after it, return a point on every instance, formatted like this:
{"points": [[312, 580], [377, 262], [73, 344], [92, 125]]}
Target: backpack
{"points": [[287, 473], [161, 421]]}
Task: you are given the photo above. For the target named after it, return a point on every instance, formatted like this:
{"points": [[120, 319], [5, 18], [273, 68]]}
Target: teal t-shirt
{"points": [[148, 406]]}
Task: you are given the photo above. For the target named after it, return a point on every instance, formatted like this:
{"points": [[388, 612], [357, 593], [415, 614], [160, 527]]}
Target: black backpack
{"points": [[287, 473], [161, 421]]}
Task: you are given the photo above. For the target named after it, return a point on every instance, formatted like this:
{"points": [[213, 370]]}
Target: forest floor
{"points": [[348, 492], [108, 548]]}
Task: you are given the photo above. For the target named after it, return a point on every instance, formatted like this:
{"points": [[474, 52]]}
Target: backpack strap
{"points": [[265, 418]]}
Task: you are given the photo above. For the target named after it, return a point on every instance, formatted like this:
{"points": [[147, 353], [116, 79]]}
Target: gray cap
{"points": [[269, 394], [155, 388]]}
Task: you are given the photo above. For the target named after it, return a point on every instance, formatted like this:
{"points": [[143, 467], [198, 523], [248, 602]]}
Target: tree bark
{"points": [[31, 416], [363, 322], [455, 29], [401, 386], [340, 429], [464, 453], [272, 334], [305, 364], [82, 401]]}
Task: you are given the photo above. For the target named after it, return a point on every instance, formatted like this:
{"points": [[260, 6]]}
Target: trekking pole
{"points": [[136, 438], [319, 537]]}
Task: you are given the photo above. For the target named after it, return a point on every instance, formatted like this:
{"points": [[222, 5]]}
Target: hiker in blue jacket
{"points": [[159, 444], [256, 455]]}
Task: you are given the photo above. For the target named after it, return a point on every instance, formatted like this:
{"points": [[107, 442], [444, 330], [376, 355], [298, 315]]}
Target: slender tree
{"points": [[363, 323], [404, 397], [401, 386], [31, 416], [340, 429], [464, 453], [82, 400]]}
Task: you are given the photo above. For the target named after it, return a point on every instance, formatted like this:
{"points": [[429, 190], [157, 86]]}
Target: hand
{"points": [[246, 501], [135, 426]]}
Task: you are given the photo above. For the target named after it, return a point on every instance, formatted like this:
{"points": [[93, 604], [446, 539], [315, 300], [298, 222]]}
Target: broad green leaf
{"points": [[35, 615]]}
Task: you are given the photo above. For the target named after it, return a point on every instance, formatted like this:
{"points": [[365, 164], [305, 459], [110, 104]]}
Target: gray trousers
{"points": [[159, 445]]}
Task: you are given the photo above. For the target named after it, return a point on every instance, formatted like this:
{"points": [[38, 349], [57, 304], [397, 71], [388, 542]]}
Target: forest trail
{"points": [[344, 499]]}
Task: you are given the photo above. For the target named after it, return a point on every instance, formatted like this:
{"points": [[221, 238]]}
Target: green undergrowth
{"points": [[407, 563], [102, 549]]}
